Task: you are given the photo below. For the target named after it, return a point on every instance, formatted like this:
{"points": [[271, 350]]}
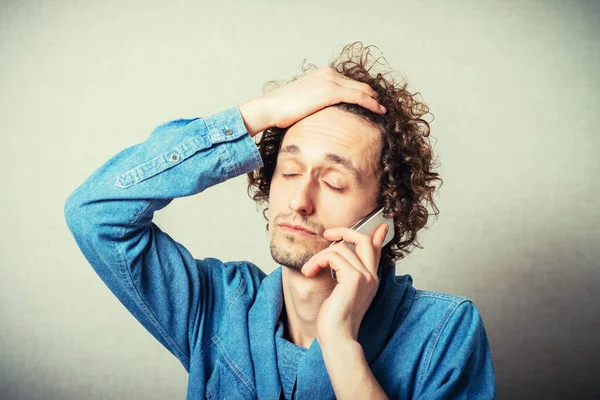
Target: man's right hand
{"points": [[288, 104]]}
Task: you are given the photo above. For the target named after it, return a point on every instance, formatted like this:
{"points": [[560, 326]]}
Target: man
{"points": [[330, 153]]}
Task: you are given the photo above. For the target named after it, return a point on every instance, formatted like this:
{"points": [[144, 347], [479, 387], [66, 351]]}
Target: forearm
{"points": [[349, 372], [114, 207], [180, 158]]}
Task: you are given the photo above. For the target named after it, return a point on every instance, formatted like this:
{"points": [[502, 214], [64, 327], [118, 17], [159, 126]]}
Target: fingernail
{"points": [[382, 108]]}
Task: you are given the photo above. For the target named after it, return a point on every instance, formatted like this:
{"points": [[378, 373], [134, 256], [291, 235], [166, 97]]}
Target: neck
{"points": [[303, 298]]}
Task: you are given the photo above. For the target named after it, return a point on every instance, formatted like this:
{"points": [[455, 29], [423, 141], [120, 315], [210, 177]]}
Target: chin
{"points": [[292, 256]]}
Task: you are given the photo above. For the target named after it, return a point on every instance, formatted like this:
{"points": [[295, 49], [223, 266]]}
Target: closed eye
{"points": [[335, 189]]}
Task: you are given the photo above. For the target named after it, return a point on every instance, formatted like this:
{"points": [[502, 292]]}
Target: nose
{"points": [[301, 201]]}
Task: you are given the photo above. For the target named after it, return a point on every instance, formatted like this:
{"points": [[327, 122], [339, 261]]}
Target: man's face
{"points": [[328, 150]]}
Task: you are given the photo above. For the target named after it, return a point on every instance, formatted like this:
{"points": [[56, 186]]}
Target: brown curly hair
{"points": [[405, 166]]}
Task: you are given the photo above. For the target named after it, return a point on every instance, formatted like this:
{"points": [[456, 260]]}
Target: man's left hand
{"points": [[357, 281]]}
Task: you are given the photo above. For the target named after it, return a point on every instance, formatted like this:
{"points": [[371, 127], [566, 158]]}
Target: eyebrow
{"points": [[330, 157]]}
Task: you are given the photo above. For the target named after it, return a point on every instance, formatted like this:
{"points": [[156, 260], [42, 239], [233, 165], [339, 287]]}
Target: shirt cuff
{"points": [[228, 125]]}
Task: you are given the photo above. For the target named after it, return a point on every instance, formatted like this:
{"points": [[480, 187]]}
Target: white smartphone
{"points": [[369, 225]]}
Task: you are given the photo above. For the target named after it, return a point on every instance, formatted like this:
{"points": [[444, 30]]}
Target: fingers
{"points": [[356, 96], [363, 243], [339, 260], [353, 84], [352, 91], [348, 254], [364, 260], [321, 261], [368, 248]]}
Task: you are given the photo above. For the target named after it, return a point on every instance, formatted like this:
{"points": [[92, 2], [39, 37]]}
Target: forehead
{"points": [[333, 136]]}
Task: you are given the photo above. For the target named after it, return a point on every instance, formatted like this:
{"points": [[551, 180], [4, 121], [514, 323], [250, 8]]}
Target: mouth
{"points": [[296, 229]]}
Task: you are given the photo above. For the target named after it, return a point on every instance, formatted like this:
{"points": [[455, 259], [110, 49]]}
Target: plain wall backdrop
{"points": [[514, 90]]}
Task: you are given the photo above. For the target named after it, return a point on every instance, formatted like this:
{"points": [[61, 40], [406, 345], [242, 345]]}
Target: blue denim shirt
{"points": [[222, 319]]}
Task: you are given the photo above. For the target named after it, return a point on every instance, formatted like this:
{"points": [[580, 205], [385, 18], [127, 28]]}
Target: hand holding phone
{"points": [[369, 225]]}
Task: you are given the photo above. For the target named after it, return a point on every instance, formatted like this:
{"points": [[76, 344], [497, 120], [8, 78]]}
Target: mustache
{"points": [[298, 220]]}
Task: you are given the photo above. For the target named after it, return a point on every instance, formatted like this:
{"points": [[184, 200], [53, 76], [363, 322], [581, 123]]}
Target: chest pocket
{"points": [[225, 384]]}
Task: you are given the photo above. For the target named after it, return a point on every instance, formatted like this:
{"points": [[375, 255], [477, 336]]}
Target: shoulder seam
{"points": [[442, 296]]}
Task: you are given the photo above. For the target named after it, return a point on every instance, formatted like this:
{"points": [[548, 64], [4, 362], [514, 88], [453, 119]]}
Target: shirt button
{"points": [[174, 157], [228, 132]]}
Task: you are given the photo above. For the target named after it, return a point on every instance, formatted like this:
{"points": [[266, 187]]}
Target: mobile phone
{"points": [[369, 225]]}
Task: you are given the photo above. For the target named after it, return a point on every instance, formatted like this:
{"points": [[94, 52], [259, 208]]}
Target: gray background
{"points": [[514, 90]]}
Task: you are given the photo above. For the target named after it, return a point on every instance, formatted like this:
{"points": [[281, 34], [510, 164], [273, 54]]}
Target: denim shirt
{"points": [[222, 319]]}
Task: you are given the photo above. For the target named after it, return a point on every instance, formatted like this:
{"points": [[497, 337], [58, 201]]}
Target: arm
{"points": [[110, 216], [349, 372]]}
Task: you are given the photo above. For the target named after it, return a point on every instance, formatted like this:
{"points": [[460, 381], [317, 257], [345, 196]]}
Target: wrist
{"points": [[337, 343], [255, 114], [342, 355]]}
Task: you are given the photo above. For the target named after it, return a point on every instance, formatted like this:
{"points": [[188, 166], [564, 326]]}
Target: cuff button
{"points": [[228, 132], [174, 157]]}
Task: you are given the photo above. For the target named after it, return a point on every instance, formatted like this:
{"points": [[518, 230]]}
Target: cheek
{"points": [[277, 198], [276, 191], [336, 212], [343, 213], [281, 190]]}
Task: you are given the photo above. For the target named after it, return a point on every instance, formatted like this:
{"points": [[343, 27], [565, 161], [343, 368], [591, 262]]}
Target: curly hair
{"points": [[406, 174]]}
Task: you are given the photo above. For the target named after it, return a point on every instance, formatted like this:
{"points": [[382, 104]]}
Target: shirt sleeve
{"points": [[110, 216], [460, 365]]}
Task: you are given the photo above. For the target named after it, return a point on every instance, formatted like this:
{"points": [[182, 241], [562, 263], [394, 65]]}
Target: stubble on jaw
{"points": [[289, 251]]}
